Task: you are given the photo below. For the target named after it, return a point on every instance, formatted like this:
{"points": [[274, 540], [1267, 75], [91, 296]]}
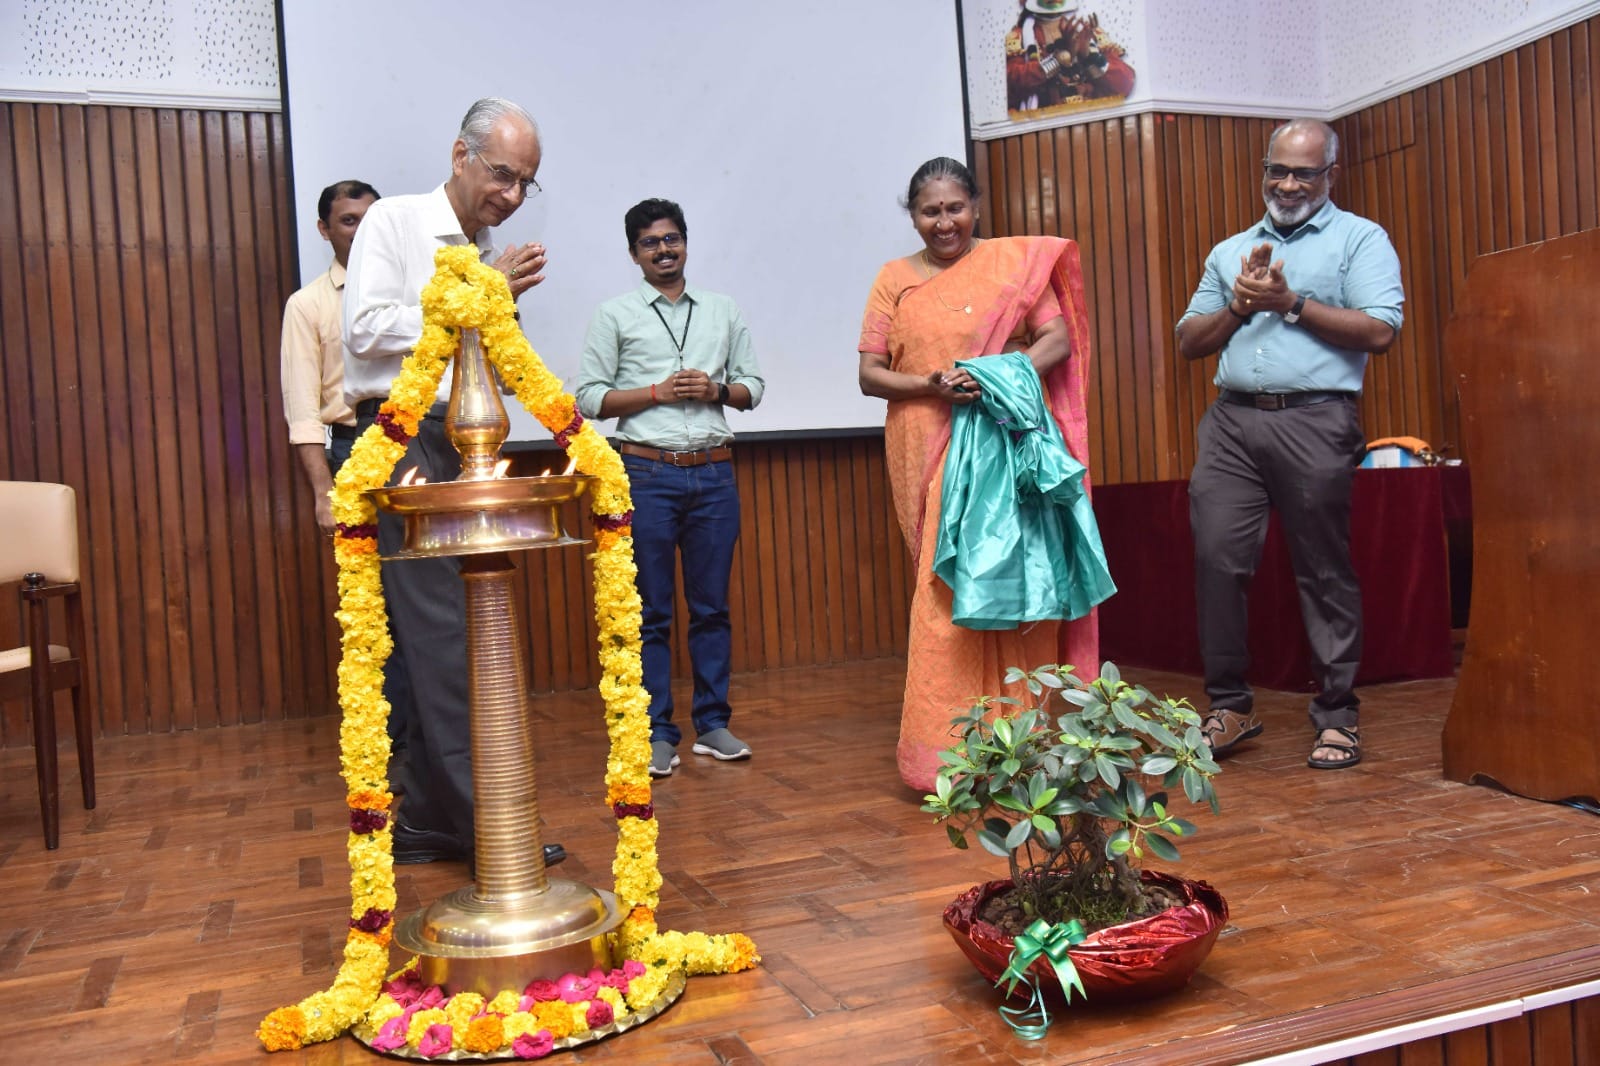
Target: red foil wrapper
{"points": [[1123, 963]]}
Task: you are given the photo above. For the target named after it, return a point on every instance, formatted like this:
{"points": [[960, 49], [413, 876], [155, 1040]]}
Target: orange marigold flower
{"points": [[484, 1034], [283, 1030]]}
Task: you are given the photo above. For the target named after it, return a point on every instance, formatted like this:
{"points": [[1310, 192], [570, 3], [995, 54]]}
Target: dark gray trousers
{"points": [[428, 616], [1300, 461]]}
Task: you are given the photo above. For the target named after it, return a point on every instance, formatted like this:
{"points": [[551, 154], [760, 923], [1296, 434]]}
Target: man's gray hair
{"points": [[482, 116], [1330, 139]]}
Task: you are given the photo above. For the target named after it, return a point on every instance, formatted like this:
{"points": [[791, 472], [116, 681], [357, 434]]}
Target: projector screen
{"points": [[786, 131]]}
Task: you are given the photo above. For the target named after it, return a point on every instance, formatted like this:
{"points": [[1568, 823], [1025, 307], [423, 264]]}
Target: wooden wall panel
{"points": [[145, 256], [1501, 154]]}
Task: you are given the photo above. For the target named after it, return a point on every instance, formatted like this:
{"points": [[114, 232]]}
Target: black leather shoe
{"points": [[413, 846]]}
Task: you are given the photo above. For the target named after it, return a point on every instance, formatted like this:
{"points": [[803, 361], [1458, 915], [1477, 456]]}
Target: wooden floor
{"points": [[209, 887]]}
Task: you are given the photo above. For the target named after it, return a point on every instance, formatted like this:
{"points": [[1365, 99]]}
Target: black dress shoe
{"points": [[413, 846]]}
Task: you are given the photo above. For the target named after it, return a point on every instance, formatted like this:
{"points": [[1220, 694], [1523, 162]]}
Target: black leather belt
{"points": [[710, 455], [369, 408], [1277, 401], [341, 431]]}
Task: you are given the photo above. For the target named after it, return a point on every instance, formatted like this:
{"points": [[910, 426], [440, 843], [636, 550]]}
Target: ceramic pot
{"points": [[1122, 963]]}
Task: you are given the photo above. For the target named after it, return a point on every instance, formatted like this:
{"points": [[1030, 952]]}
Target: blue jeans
{"points": [[691, 511]]}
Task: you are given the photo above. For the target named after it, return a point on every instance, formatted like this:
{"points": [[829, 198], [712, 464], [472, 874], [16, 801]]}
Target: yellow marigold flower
{"points": [[520, 1023], [505, 1002], [554, 1017], [383, 1010], [461, 1007], [420, 1022]]}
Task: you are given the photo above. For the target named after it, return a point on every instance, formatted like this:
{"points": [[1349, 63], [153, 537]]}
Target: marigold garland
{"points": [[466, 294]]}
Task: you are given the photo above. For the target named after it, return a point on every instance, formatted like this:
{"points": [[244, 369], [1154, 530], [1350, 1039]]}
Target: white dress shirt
{"points": [[390, 262]]}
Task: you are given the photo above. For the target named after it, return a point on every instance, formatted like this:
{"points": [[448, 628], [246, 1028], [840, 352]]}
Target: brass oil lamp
{"points": [[515, 922]]}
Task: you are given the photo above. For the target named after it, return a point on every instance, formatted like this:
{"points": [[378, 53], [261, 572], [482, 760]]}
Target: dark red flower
{"points": [[365, 821], [564, 437], [633, 810], [613, 522], [372, 921]]}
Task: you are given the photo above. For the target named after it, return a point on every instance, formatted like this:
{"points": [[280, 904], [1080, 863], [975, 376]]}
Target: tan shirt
{"points": [[313, 359]]}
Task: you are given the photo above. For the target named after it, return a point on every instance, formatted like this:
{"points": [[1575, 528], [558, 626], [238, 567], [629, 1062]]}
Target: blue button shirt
{"points": [[1335, 258]]}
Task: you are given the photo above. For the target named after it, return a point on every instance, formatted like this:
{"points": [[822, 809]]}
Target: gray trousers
{"points": [[1300, 461], [428, 616]]}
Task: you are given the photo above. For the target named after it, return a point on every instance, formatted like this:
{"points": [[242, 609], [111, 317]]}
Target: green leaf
{"points": [[1156, 765], [1064, 805], [1181, 827], [1118, 843], [1133, 793], [1002, 731], [1009, 802], [1051, 836], [1019, 834], [994, 845], [1043, 824], [1051, 680], [1193, 784], [1127, 718], [1161, 847], [958, 839], [1109, 673]]}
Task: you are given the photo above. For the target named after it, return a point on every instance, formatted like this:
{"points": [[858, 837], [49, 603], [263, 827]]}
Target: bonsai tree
{"points": [[1056, 788]]}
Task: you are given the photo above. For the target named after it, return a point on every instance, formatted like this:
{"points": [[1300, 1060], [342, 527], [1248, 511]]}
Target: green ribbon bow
{"points": [[1051, 941]]}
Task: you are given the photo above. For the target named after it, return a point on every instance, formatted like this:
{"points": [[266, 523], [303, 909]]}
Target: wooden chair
{"points": [[39, 547]]}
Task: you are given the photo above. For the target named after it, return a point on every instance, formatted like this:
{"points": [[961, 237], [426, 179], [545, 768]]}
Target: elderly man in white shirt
{"points": [[493, 163]]}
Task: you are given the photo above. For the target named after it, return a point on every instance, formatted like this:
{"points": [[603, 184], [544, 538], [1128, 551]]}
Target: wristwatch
{"points": [[1292, 315], [722, 394]]}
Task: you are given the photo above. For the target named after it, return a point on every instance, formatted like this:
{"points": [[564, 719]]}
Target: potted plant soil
{"points": [[1072, 791]]}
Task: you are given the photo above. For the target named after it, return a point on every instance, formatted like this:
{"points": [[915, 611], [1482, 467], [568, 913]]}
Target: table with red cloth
{"points": [[1397, 539]]}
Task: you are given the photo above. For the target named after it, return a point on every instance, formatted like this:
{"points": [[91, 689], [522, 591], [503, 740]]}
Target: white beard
{"points": [[1292, 216]]}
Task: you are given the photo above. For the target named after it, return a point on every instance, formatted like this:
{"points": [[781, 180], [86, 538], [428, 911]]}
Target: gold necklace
{"points": [[927, 267]]}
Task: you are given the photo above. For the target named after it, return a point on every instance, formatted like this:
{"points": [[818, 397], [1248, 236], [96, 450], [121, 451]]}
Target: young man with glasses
{"points": [[666, 361], [492, 166], [1293, 305]]}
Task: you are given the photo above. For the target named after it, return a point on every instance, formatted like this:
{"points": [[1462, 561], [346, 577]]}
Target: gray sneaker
{"points": [[663, 757], [721, 744]]}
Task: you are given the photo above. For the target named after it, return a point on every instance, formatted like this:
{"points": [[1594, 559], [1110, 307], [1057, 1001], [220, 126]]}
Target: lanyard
{"points": [[686, 324]]}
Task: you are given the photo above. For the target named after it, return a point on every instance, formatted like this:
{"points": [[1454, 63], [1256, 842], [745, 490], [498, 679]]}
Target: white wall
{"points": [[1264, 57]]}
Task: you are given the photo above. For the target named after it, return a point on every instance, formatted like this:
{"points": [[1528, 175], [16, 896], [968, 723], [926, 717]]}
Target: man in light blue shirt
{"points": [[1294, 305], [666, 360]]}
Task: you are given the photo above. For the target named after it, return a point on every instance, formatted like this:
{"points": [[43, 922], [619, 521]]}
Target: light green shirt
{"points": [[630, 347]]}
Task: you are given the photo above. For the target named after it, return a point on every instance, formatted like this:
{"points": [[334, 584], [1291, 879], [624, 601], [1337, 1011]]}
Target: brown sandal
{"points": [[1225, 730], [1348, 741]]}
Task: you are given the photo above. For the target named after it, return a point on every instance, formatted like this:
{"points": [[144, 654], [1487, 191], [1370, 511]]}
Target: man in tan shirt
{"points": [[313, 392], [313, 351]]}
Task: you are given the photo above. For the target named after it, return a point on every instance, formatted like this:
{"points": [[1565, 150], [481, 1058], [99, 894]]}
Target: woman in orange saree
{"points": [[957, 298]]}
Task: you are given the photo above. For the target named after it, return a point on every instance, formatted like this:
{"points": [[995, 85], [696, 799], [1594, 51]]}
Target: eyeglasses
{"points": [[1304, 175], [504, 179], [650, 244]]}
